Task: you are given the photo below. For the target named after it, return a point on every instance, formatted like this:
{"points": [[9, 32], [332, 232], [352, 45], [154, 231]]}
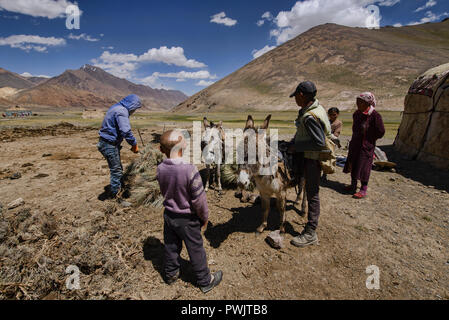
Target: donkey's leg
{"points": [[265, 210], [301, 188], [304, 206], [280, 202], [207, 178], [219, 177]]}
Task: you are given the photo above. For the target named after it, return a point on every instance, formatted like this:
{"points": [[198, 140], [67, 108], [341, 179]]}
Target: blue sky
{"points": [[183, 45]]}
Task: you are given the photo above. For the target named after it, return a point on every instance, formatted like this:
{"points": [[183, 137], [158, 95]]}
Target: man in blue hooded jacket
{"points": [[115, 128]]}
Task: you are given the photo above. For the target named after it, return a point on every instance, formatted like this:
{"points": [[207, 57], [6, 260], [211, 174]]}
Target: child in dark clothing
{"points": [[186, 212]]}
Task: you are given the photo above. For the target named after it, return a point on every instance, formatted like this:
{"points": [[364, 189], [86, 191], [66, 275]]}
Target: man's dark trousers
{"points": [[312, 174], [187, 228]]}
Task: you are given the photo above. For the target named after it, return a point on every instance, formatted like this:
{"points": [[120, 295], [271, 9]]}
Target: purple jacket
{"points": [[182, 188]]}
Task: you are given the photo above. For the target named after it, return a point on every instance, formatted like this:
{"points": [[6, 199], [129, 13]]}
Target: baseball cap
{"points": [[306, 87]]}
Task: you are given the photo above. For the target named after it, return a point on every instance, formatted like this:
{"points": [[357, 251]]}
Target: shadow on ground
{"points": [[247, 220], [153, 250], [417, 170]]}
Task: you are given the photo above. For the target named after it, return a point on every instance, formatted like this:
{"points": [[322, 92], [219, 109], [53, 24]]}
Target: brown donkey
{"points": [[275, 184]]}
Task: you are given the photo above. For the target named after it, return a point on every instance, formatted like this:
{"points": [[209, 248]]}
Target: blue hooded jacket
{"points": [[116, 125]]}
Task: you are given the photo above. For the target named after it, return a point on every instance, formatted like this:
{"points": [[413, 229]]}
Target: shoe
{"points": [[360, 195], [306, 238], [171, 280], [215, 281]]}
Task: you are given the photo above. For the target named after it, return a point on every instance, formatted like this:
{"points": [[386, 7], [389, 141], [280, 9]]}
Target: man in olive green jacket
{"points": [[312, 128]]}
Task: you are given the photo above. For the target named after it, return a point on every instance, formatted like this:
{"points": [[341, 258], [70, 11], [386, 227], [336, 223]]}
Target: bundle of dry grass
{"points": [[141, 186], [230, 175]]}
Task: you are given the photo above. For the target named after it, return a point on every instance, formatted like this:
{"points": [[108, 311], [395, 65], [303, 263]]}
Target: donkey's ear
{"points": [[206, 123], [249, 123], [266, 123], [220, 124]]}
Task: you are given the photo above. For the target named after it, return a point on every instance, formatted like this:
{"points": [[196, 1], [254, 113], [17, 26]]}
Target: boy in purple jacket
{"points": [[186, 213]]}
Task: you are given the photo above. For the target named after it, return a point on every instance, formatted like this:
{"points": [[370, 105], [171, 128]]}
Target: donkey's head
{"points": [[252, 139], [212, 142]]}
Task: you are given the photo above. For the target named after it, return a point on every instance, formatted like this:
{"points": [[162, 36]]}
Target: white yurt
{"points": [[424, 131]]}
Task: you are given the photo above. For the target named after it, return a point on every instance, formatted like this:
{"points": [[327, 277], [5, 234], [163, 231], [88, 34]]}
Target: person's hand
{"points": [[135, 149], [204, 226]]}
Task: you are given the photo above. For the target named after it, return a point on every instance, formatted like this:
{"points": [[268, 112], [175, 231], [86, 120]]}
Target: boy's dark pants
{"points": [[187, 228]]}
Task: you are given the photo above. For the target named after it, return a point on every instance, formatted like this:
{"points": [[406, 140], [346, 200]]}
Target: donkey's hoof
{"points": [[261, 228], [282, 229]]}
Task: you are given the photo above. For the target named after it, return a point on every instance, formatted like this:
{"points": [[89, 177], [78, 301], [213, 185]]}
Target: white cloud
{"points": [[29, 75], [429, 4], [150, 81], [82, 36], [181, 76], [124, 64], [171, 56], [430, 17], [50, 9], [310, 13], [257, 53], [10, 17], [388, 3], [204, 83], [397, 25], [31, 42], [221, 18], [267, 16], [120, 65], [203, 74]]}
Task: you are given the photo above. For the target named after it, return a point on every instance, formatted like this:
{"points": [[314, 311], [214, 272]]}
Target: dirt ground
{"points": [[402, 227]]}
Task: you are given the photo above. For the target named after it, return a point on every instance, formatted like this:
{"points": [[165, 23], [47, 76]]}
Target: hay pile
{"points": [[140, 184], [230, 175]]}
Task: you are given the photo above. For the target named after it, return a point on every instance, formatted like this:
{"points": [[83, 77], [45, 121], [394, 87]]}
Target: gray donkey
{"points": [[212, 146]]}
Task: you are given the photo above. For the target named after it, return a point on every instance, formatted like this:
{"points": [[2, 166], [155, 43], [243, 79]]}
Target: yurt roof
{"points": [[430, 81]]}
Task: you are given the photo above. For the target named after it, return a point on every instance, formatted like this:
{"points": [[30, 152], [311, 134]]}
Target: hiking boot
{"points": [[306, 238], [171, 280], [215, 281]]}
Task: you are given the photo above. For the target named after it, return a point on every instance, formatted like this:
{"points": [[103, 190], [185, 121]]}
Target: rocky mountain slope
{"points": [[87, 87], [342, 61]]}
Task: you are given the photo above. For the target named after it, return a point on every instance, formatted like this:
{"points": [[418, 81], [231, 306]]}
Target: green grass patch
{"points": [[283, 121]]}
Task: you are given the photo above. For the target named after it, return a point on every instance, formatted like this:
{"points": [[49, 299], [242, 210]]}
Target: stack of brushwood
{"points": [[141, 186], [230, 175]]}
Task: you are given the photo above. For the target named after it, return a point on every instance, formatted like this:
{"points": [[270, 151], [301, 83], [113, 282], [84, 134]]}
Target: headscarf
{"points": [[369, 98]]}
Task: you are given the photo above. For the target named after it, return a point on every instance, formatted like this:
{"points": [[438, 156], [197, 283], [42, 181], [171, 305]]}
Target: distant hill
{"points": [[14, 80], [342, 61], [37, 80], [4, 102], [87, 87]]}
